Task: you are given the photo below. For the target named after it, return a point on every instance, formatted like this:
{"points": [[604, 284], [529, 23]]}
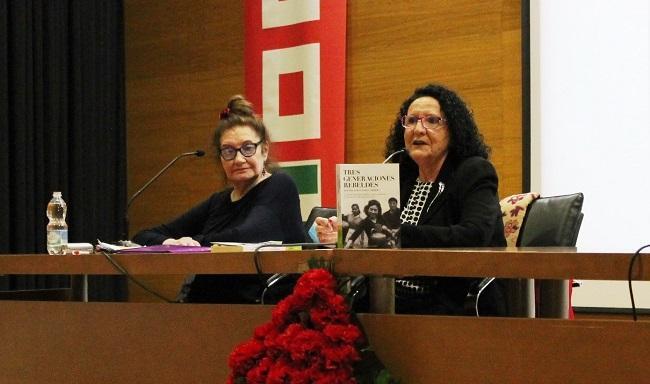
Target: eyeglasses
{"points": [[247, 150], [431, 122]]}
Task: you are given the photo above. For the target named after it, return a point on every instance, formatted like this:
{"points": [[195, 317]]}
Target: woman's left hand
{"points": [[327, 229], [183, 241]]}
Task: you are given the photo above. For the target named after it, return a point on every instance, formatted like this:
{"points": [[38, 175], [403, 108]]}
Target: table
{"points": [[169, 343]]}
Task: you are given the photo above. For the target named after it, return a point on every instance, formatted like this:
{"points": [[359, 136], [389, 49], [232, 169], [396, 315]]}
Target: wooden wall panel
{"points": [[184, 59], [470, 46], [185, 343]]}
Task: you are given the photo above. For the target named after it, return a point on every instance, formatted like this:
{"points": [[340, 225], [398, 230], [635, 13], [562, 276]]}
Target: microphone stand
{"points": [[393, 154], [197, 153]]}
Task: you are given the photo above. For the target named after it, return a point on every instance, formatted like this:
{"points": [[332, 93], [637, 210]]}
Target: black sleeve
{"points": [[274, 215], [474, 207], [187, 224]]}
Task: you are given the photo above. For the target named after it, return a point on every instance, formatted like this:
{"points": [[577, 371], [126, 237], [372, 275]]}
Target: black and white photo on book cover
{"points": [[368, 205]]}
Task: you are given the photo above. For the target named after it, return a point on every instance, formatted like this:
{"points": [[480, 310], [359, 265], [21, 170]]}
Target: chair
{"points": [[553, 221], [549, 221], [275, 279]]}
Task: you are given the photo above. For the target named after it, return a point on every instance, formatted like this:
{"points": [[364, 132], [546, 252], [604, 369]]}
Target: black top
{"points": [[269, 211], [465, 214]]}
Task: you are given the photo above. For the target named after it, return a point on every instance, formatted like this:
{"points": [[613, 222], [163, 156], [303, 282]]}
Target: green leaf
{"points": [[320, 263], [384, 377]]}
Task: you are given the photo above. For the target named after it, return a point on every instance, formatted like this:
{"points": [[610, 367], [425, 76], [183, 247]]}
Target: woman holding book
{"points": [[258, 206], [450, 190]]}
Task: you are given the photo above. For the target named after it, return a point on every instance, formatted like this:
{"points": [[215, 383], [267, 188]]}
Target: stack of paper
{"points": [[102, 246]]}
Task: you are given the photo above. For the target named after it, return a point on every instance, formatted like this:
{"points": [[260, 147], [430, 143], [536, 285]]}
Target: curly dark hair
{"points": [[464, 138]]}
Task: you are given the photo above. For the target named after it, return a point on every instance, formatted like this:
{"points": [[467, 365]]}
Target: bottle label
{"points": [[57, 237]]}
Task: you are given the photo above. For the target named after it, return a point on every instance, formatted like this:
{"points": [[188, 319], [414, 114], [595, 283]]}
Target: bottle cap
{"points": [[56, 194]]}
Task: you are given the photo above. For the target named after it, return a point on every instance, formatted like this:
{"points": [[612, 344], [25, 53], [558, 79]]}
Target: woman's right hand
{"points": [[327, 229], [183, 241]]}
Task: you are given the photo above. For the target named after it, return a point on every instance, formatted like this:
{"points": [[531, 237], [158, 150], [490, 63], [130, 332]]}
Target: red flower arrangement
{"points": [[309, 340]]}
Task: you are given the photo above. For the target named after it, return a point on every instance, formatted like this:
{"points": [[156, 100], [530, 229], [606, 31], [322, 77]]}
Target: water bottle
{"points": [[57, 229]]}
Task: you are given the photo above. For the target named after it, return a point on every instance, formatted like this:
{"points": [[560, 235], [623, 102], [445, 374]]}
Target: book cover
{"points": [[368, 205], [226, 246]]}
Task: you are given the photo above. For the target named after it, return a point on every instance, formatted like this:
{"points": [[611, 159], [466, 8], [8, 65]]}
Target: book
{"points": [[227, 246], [368, 205], [163, 248]]}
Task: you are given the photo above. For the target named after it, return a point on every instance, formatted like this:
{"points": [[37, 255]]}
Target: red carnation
{"points": [[309, 339]]}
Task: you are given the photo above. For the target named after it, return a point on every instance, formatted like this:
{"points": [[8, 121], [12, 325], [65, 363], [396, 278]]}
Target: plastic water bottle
{"points": [[57, 229]]}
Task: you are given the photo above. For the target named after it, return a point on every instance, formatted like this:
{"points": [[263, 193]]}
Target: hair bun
{"points": [[224, 114], [238, 105]]}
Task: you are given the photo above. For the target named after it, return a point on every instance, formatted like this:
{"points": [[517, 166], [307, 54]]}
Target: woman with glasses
{"points": [[450, 190], [257, 206]]}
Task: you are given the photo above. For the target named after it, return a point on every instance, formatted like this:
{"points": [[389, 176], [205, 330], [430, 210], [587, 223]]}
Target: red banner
{"points": [[295, 70]]}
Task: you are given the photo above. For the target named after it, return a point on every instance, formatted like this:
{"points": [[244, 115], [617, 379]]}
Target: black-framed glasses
{"points": [[431, 122], [247, 150]]}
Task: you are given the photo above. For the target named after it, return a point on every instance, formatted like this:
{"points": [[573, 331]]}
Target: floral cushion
{"points": [[513, 210]]}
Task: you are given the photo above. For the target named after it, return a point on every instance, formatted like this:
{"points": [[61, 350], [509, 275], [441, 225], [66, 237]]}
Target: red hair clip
{"points": [[224, 114]]}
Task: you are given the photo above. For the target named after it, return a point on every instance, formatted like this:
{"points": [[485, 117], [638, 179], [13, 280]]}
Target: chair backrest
{"points": [[552, 221]]}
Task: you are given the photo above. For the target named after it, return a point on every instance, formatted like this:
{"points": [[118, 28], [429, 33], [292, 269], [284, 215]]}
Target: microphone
{"points": [[393, 154], [197, 153]]}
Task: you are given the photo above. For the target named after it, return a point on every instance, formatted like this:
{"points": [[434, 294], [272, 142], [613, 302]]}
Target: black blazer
{"points": [[465, 214]]}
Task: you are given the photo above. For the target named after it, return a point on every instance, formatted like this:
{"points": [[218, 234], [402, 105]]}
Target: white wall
{"points": [[590, 125]]}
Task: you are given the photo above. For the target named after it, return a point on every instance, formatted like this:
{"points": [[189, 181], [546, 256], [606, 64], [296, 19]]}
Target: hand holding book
{"points": [[327, 229]]}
